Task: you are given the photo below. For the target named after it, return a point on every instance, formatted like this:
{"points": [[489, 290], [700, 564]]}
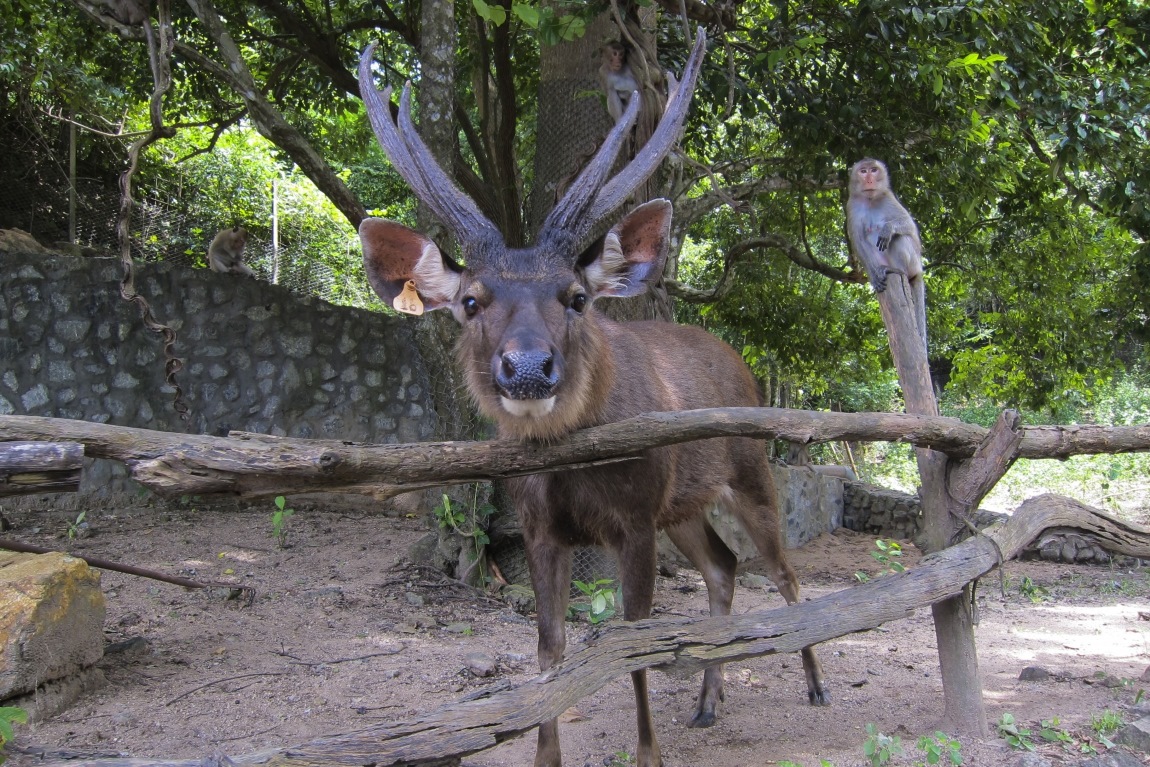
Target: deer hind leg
{"points": [[716, 562], [637, 572], [550, 566], [756, 506]]}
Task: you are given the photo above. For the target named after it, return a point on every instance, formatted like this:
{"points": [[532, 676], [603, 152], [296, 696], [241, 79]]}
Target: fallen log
{"points": [[40, 467], [255, 465], [685, 646]]}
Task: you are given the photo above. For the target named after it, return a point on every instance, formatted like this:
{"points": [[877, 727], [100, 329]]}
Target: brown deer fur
{"points": [[542, 361]]}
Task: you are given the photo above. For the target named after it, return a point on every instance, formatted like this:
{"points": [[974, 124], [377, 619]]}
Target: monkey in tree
{"points": [[127, 12], [883, 234], [617, 79], [226, 253]]}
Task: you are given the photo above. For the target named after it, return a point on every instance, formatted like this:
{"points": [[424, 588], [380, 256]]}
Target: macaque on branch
{"points": [[617, 79], [884, 235], [226, 253], [128, 12]]}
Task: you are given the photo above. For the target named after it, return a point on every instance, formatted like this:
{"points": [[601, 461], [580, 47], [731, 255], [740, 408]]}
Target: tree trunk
{"points": [[573, 122], [436, 332]]}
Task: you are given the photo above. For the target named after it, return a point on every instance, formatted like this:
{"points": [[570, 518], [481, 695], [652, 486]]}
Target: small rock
{"points": [[457, 628], [754, 581], [129, 619], [129, 647], [1034, 674], [480, 664], [423, 621], [1145, 675], [1031, 759], [413, 599]]}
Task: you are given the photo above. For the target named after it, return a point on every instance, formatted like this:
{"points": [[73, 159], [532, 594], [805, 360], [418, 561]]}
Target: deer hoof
{"points": [[702, 719], [820, 696]]}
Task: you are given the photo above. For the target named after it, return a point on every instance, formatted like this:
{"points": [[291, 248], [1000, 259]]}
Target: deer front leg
{"points": [[637, 572], [550, 567]]}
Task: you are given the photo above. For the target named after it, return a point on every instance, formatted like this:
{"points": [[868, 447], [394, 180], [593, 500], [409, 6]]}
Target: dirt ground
{"points": [[344, 633]]}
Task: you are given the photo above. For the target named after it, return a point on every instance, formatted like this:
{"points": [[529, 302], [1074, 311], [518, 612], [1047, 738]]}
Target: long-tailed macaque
{"points": [[883, 233], [226, 253], [617, 79], [127, 12]]}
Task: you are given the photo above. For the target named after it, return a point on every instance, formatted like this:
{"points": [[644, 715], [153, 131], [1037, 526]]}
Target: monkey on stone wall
{"points": [[883, 233], [226, 253], [617, 79]]}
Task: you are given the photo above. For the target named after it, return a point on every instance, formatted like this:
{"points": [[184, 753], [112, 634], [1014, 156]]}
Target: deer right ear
{"points": [[394, 255], [632, 253]]}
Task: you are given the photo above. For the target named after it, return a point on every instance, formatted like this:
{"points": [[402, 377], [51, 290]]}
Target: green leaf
{"points": [[493, 14], [528, 14]]}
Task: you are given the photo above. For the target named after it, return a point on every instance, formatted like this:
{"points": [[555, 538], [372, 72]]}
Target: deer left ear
{"points": [[394, 254], [633, 252]]}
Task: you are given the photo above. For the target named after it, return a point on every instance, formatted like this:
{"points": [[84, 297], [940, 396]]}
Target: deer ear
{"points": [[633, 252], [394, 254]]}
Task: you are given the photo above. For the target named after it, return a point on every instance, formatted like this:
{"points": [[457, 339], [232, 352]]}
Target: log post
{"points": [[949, 490]]}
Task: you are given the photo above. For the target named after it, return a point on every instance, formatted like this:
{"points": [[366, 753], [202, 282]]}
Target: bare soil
{"points": [[344, 632]]}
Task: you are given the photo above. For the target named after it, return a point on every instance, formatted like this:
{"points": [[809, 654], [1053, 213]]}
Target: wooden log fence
{"points": [[256, 465]]}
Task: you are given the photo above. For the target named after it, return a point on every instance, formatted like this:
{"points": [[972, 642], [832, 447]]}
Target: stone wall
{"points": [[809, 504], [257, 358]]}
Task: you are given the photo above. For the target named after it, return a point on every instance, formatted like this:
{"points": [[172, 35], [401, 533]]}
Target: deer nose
{"points": [[527, 374]]}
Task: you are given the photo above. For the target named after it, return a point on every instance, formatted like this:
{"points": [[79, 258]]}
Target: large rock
{"points": [[51, 620], [810, 503], [1136, 736]]}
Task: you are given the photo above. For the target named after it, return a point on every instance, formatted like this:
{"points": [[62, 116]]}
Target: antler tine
{"points": [[615, 191], [413, 160], [569, 213]]}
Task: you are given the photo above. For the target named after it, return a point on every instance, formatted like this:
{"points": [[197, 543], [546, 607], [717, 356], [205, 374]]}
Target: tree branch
{"points": [[800, 256]]}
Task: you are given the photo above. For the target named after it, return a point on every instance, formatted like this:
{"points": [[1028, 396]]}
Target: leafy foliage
{"points": [[1015, 133]]}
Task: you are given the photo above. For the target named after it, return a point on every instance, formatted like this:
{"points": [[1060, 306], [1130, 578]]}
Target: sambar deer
{"points": [[541, 361]]}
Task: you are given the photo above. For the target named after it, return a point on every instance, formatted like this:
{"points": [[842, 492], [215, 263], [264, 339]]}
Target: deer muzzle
{"points": [[527, 381]]}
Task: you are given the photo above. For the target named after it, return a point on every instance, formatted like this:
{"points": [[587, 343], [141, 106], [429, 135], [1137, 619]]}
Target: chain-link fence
{"points": [[161, 230]]}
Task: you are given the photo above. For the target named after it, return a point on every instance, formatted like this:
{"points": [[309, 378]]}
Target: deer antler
{"points": [[581, 208], [414, 161], [588, 200]]}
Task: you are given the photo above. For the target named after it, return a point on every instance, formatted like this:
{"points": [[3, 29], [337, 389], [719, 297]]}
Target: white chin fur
{"points": [[528, 408]]}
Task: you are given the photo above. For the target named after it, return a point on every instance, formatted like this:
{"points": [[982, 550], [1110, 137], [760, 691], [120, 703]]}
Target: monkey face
{"points": [[615, 56], [868, 176]]}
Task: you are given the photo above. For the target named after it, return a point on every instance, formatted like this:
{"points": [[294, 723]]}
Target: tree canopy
{"points": [[1015, 133]]}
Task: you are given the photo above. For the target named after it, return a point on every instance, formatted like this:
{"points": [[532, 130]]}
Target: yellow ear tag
{"points": [[408, 301]]}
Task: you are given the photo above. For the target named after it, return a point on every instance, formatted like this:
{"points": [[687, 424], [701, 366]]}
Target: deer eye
{"points": [[470, 306], [579, 302]]}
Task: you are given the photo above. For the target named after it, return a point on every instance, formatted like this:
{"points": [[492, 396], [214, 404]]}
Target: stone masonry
{"points": [[257, 357]]}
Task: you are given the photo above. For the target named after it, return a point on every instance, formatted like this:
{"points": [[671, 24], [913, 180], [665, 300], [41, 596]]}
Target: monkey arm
{"points": [[902, 225]]}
